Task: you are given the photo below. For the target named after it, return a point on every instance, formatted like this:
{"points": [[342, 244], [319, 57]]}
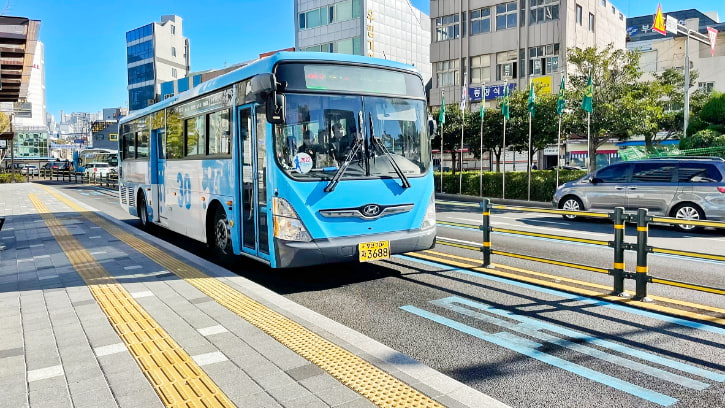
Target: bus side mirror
{"points": [[275, 108], [432, 127], [262, 85]]}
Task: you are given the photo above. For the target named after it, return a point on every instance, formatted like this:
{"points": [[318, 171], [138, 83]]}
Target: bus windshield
{"points": [[321, 132]]}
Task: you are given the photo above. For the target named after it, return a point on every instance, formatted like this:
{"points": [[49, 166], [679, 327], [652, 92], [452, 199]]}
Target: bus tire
{"points": [[218, 235], [143, 213]]}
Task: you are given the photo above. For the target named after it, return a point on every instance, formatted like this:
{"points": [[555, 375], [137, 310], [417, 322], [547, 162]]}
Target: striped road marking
{"points": [[176, 378], [381, 388]]}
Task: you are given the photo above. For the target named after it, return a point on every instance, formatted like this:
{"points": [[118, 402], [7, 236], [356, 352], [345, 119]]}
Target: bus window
{"points": [[174, 136], [219, 141], [195, 136], [142, 144]]}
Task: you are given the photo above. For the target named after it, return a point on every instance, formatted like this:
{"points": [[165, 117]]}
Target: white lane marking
{"points": [[110, 349], [460, 241], [43, 373], [209, 358]]}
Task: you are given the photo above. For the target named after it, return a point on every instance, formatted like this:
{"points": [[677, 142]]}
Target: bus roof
{"points": [[261, 66]]}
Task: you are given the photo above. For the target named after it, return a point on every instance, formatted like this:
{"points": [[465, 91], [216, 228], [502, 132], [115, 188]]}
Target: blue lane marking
{"points": [[504, 341], [569, 296], [535, 328]]}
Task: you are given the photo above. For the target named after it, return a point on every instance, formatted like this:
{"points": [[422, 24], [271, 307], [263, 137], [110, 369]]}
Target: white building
{"points": [[387, 29], [35, 118], [659, 52], [156, 52]]}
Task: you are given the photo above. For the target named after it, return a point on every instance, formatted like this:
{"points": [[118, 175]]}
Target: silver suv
{"points": [[688, 188]]}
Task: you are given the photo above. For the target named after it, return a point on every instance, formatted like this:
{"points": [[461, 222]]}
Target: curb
{"points": [[476, 199]]}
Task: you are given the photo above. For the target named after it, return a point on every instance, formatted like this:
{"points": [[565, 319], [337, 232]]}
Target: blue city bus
{"points": [[296, 159]]}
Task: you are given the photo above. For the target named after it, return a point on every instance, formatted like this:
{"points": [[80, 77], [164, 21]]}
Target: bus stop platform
{"points": [[95, 313]]}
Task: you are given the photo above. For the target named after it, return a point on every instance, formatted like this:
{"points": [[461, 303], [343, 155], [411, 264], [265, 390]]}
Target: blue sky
{"points": [[85, 52]]}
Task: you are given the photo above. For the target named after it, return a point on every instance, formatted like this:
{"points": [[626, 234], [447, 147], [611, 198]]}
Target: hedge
{"points": [[5, 177], [543, 183]]}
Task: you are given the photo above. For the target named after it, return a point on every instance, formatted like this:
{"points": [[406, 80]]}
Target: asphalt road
{"points": [[522, 344]]}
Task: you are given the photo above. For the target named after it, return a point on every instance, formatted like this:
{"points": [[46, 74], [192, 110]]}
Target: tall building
{"points": [[659, 52], [494, 42], [156, 52], [388, 29]]}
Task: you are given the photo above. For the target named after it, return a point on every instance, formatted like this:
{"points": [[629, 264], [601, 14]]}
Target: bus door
{"points": [[252, 132], [158, 167]]}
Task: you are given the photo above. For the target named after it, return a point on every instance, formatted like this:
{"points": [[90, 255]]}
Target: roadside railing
{"points": [[109, 180], [619, 219]]}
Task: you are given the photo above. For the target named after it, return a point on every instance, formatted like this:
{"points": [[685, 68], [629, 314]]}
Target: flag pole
{"points": [[589, 147], [443, 98], [503, 145], [464, 92], [528, 153], [558, 152], [480, 151]]}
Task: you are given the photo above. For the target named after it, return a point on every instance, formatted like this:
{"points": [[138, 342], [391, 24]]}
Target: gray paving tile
{"points": [[18, 351], [288, 392], [361, 402], [337, 395], [308, 401], [304, 372]]}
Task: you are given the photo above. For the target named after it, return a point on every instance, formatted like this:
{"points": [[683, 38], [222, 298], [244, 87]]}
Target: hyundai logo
{"points": [[371, 210]]}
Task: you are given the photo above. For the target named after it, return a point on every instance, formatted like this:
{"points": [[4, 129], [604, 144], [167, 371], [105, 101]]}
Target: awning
{"points": [[18, 40]]}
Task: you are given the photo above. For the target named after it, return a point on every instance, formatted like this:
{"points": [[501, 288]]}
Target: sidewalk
{"points": [[94, 313]]}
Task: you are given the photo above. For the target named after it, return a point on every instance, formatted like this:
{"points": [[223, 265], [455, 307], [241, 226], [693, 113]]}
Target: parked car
{"points": [[29, 169], [97, 169], [58, 165], [689, 188]]}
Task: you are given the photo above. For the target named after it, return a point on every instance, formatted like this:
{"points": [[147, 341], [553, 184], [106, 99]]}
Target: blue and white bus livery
{"points": [[296, 159]]}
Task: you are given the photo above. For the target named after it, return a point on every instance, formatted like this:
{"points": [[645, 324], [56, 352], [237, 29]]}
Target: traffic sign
{"points": [[712, 35], [671, 24], [659, 23]]}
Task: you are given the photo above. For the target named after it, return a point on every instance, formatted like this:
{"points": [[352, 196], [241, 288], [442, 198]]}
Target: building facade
{"points": [[497, 42], [660, 52], [104, 134], [387, 29], [156, 52]]}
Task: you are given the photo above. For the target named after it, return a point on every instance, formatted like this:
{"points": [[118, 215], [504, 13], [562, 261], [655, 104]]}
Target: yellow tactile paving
{"points": [[381, 388], [174, 375]]}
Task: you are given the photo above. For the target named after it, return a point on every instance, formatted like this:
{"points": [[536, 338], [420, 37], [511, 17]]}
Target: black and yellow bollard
{"points": [[619, 246], [486, 228], [641, 277]]}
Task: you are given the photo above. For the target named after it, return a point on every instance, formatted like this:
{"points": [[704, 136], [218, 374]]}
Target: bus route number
{"points": [[373, 251]]}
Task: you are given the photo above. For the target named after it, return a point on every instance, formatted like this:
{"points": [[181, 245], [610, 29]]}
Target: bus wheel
{"points": [[220, 242], [143, 214]]}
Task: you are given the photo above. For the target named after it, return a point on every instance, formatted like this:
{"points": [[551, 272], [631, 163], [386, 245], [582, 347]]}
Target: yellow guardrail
{"points": [[677, 221]]}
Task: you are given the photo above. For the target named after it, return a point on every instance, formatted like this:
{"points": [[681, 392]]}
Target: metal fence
{"points": [[619, 218]]}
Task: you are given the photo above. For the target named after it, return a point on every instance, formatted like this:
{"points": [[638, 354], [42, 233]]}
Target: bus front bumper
{"points": [[293, 254]]}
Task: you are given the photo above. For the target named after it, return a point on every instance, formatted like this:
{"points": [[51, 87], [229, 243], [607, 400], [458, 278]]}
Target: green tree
{"points": [[452, 132], [702, 139], [614, 73]]}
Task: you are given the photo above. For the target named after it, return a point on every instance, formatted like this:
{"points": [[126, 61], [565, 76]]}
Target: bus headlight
{"points": [[287, 225], [429, 221]]}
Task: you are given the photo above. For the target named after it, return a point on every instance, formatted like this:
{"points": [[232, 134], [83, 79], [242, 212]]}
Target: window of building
{"points": [[621, 16], [481, 21], [173, 29], [544, 59], [139, 98], [219, 140], [173, 72], [543, 10], [448, 27], [506, 16], [604, 3], [173, 51], [506, 65], [335, 13], [480, 69], [614, 10], [346, 46], [139, 51], [195, 136], [706, 86], [591, 22], [314, 18], [141, 73], [447, 73], [139, 33], [579, 14]]}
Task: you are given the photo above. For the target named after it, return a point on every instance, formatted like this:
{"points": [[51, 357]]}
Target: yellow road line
{"points": [[688, 254], [557, 237], [379, 387], [580, 291], [174, 375]]}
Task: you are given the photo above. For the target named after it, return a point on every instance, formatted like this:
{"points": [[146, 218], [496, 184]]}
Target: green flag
{"points": [[588, 95], [505, 102], [561, 102], [442, 112], [482, 110], [532, 99]]}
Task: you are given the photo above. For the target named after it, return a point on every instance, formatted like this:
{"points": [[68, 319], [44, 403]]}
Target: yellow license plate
{"points": [[373, 251]]}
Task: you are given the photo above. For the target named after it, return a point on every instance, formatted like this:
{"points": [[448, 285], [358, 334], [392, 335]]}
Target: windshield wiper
{"points": [[375, 141], [348, 159]]}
